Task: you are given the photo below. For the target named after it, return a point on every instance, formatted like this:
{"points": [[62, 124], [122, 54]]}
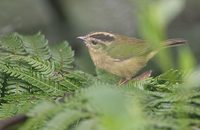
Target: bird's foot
{"points": [[144, 75]]}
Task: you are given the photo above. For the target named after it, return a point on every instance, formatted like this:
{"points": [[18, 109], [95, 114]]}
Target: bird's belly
{"points": [[126, 68]]}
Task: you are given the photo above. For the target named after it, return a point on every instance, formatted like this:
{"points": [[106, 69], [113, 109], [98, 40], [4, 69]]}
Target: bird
{"points": [[122, 55]]}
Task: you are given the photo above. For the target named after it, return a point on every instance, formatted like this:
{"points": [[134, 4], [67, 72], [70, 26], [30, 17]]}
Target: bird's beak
{"points": [[82, 38]]}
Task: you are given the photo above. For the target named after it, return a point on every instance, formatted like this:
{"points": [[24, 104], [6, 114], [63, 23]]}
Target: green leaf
{"points": [[88, 125], [12, 44], [63, 56], [153, 18], [36, 45], [69, 82], [36, 79], [172, 76], [2, 87], [45, 67], [39, 114], [16, 86], [107, 77], [63, 120], [187, 61]]}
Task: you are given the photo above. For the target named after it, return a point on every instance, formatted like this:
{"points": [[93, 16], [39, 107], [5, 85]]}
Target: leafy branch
{"points": [[49, 94]]}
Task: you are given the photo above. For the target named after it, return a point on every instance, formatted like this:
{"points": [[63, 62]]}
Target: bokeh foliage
{"points": [[154, 17]]}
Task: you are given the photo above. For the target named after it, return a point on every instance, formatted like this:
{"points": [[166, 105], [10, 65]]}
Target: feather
{"points": [[175, 42], [125, 47]]}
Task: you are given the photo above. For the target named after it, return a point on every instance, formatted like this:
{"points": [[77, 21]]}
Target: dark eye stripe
{"points": [[103, 37]]}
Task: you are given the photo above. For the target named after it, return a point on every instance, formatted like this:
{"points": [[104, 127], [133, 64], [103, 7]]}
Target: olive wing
{"points": [[123, 51]]}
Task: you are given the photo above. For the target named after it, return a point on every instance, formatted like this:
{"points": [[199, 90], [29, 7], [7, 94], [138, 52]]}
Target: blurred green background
{"points": [[66, 19]]}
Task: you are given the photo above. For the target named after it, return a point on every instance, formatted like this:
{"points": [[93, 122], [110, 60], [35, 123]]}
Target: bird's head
{"points": [[98, 40]]}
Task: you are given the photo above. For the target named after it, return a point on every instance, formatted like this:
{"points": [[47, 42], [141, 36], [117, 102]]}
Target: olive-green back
{"points": [[125, 48]]}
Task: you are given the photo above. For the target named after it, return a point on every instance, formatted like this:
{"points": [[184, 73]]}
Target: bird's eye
{"points": [[94, 42]]}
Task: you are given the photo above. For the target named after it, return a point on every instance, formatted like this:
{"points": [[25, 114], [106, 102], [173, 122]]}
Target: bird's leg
{"points": [[144, 75], [123, 81]]}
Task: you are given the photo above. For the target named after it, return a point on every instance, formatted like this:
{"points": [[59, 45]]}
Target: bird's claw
{"points": [[142, 76]]}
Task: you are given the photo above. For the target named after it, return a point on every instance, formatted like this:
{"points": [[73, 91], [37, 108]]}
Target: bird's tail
{"points": [[175, 42], [168, 43]]}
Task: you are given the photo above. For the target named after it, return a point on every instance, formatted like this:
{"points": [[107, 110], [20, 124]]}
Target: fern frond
{"points": [[45, 67], [12, 44], [31, 73], [15, 86], [33, 78], [41, 113], [64, 119], [89, 124], [171, 76], [8, 110], [36, 45], [63, 56], [75, 79], [17, 104], [51, 116], [104, 76], [2, 87], [141, 84]]}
